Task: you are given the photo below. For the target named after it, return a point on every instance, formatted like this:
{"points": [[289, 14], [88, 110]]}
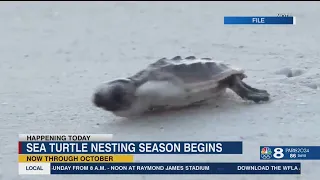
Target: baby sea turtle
{"points": [[173, 83]]}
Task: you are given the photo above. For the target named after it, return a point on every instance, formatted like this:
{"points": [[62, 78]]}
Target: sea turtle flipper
{"points": [[253, 89], [247, 92]]}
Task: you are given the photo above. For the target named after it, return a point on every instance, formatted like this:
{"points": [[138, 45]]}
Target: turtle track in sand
{"points": [[300, 76]]}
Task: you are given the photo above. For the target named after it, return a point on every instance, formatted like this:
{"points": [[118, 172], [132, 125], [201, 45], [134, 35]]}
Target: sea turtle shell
{"points": [[193, 72]]}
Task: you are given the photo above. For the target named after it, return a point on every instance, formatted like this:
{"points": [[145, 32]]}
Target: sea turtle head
{"points": [[114, 96]]}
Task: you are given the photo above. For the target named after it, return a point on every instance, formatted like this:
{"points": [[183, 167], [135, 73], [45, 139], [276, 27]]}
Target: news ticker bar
{"points": [[132, 147], [259, 20], [159, 168], [289, 152]]}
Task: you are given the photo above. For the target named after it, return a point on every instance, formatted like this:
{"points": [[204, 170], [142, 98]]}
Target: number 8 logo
{"points": [[278, 153]]}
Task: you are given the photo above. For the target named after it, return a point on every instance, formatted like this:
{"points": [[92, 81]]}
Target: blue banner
{"points": [[262, 20], [132, 147], [176, 168], [290, 152]]}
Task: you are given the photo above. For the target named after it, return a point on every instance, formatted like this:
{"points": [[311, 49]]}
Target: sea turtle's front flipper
{"points": [[247, 92], [253, 89]]}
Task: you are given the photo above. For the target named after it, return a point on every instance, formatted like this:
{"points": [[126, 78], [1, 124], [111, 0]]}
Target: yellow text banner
{"points": [[75, 158]]}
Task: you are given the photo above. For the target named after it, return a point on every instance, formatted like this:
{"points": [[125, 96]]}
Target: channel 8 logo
{"points": [[266, 153]]}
